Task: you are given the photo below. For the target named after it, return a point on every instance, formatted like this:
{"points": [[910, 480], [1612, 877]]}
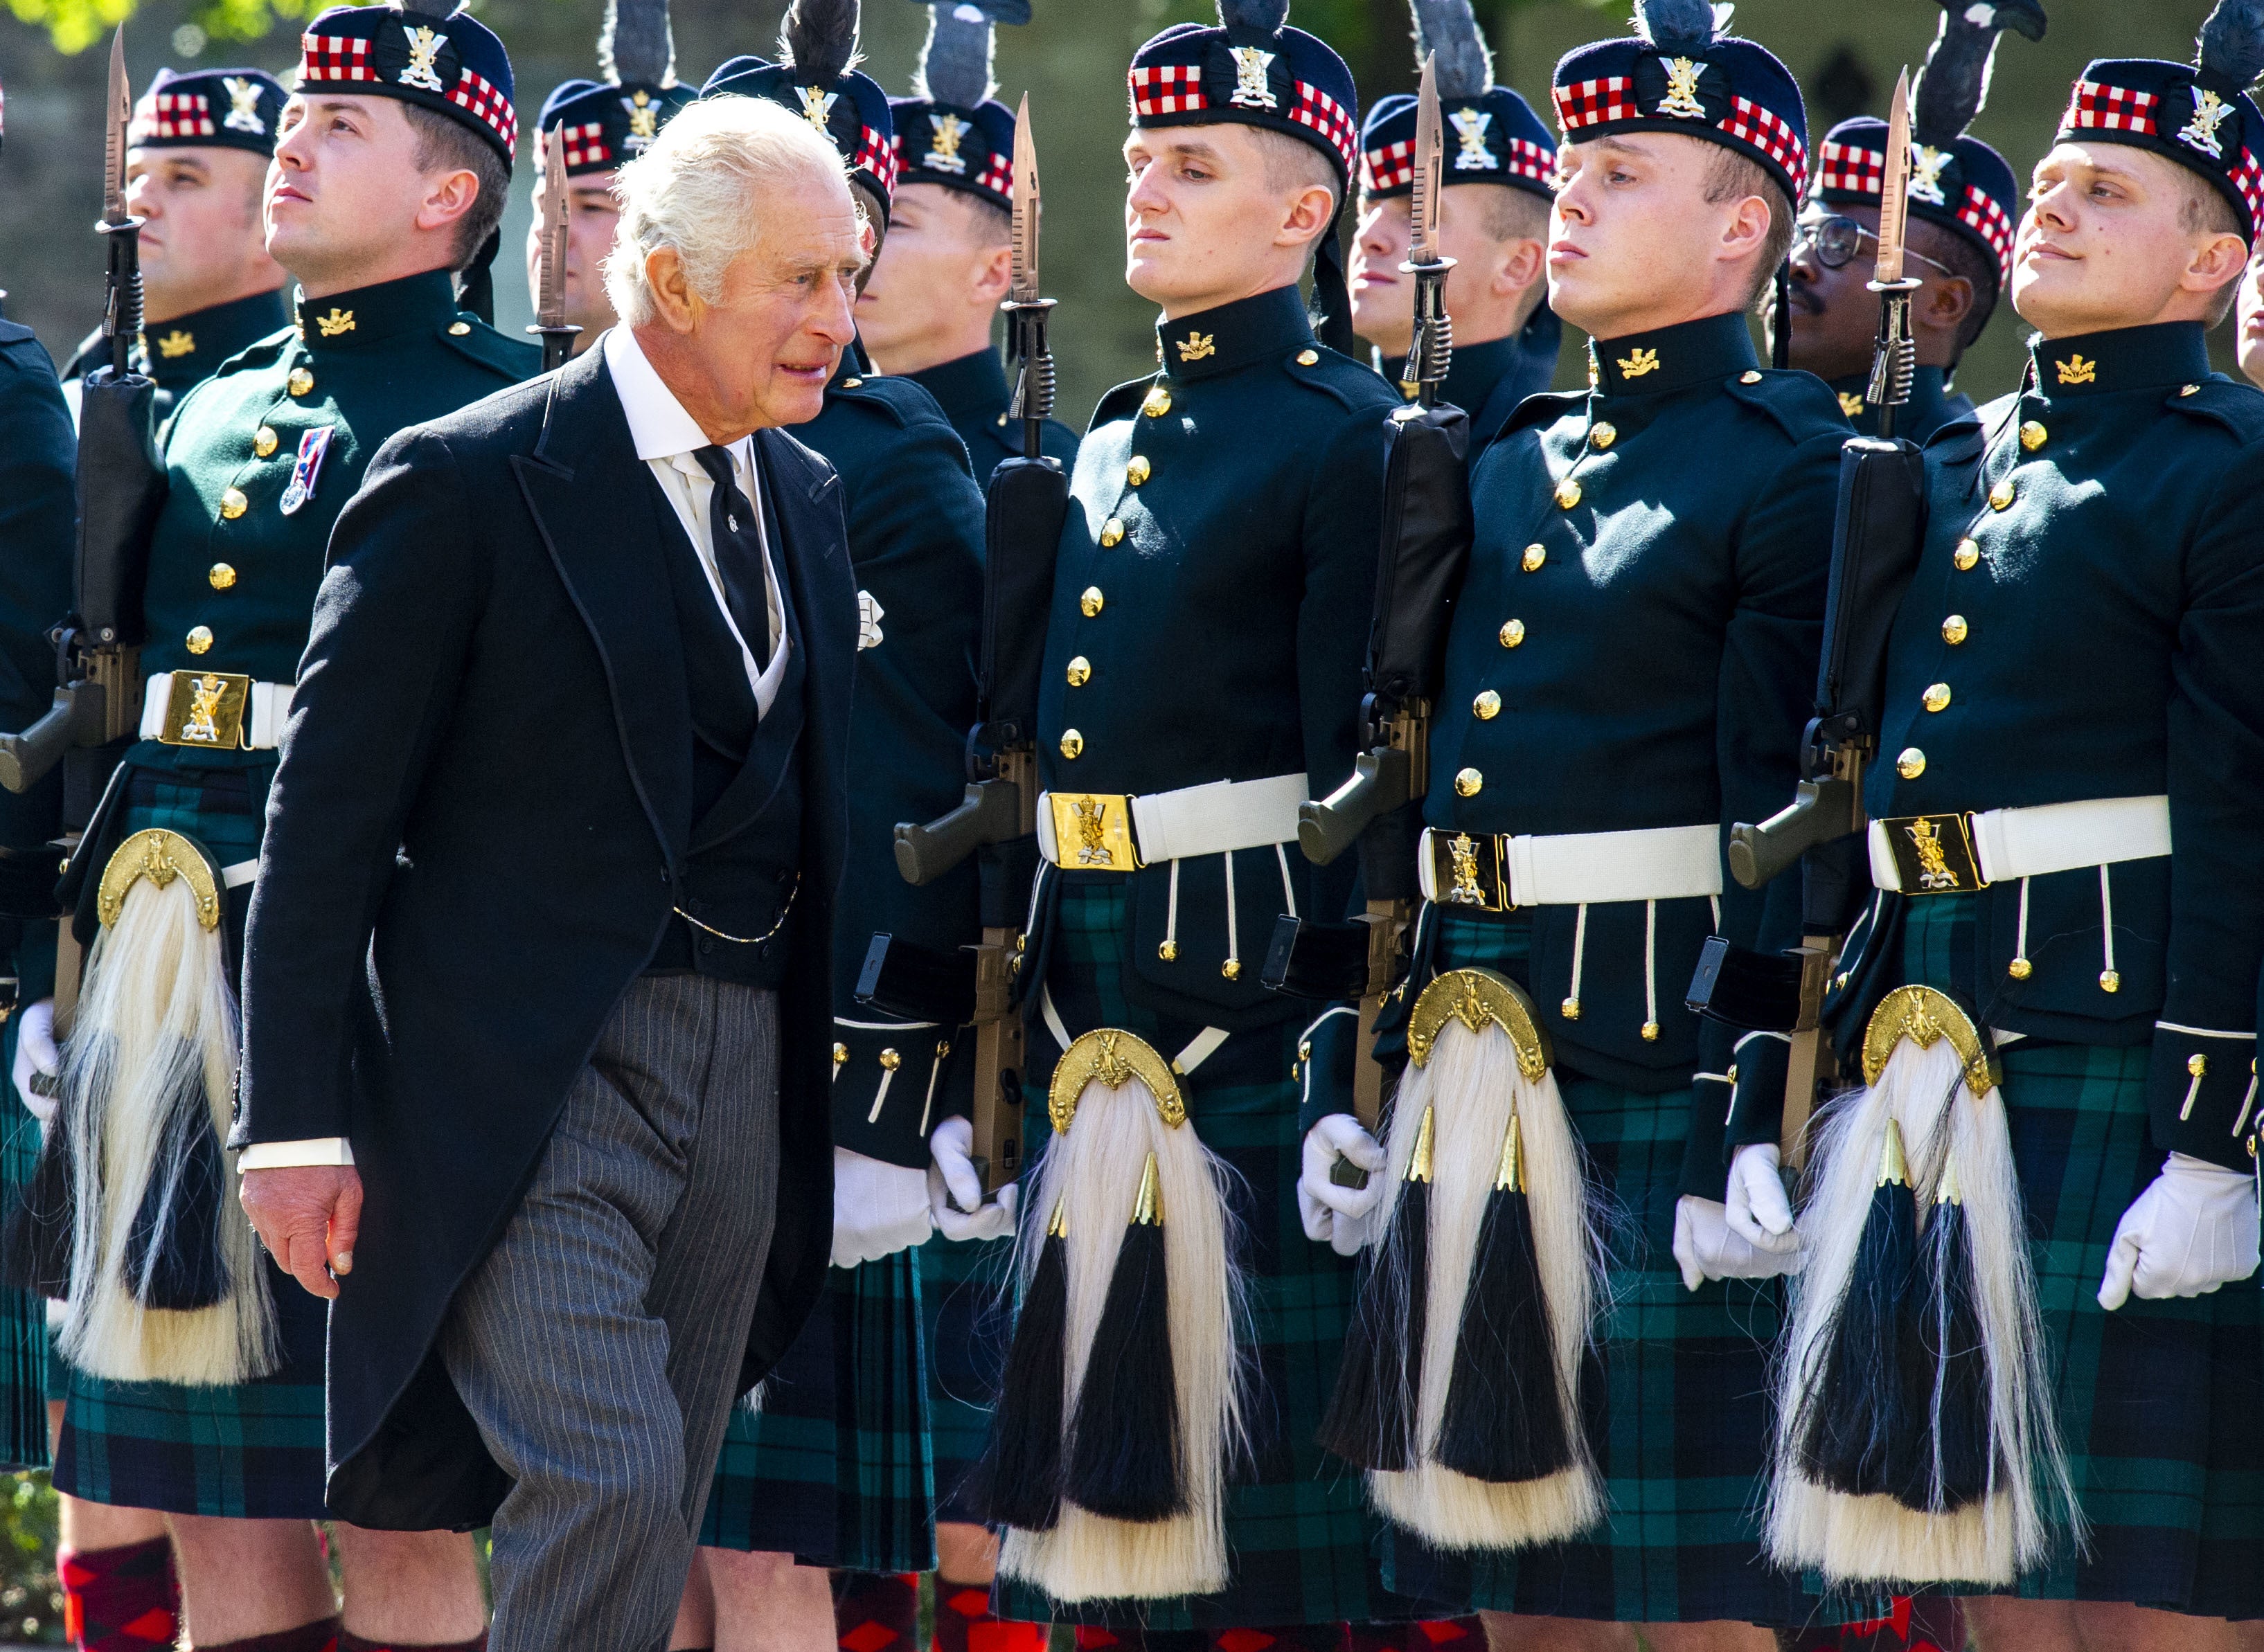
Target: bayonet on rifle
{"points": [[550, 259], [1027, 305], [1432, 350], [121, 321], [1894, 365]]}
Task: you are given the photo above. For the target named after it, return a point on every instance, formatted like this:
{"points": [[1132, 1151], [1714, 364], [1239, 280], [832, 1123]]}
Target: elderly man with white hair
{"points": [[542, 926]]}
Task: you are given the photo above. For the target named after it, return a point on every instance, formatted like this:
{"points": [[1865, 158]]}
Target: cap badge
{"points": [[817, 105], [2076, 370], [423, 47], [1635, 365], [1473, 156], [2210, 112], [176, 344], [244, 106], [1681, 101], [1250, 90], [337, 321], [943, 154], [1197, 346], [644, 120], [1927, 166]]}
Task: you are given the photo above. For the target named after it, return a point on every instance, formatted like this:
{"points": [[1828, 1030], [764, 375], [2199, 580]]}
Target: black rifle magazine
{"points": [[1307, 960], [1759, 992], [919, 983]]}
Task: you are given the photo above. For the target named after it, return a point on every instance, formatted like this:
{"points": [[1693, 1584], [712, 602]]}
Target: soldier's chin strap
{"points": [[476, 291], [1781, 328], [1332, 298]]}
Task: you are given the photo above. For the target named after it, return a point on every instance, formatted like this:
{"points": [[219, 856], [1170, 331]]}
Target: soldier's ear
{"points": [[1948, 299]]}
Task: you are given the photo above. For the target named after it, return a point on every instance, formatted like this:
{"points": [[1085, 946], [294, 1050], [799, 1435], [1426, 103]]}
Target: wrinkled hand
{"points": [[1757, 1211], [2192, 1230], [1338, 1216], [878, 1208], [36, 1053], [308, 1216], [954, 1188], [1707, 1247]]}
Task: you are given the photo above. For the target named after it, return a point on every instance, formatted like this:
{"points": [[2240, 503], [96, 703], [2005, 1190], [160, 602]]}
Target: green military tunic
{"points": [[1490, 381], [182, 353], [974, 395], [231, 590], [1933, 404]]}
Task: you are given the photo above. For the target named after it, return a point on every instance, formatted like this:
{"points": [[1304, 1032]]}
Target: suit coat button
{"points": [[1139, 470], [1965, 556], [1159, 403], [300, 382], [1072, 744], [1603, 435], [263, 441], [1309, 358], [1568, 494], [1912, 763], [1486, 707], [458, 330], [891, 1060], [1091, 604], [1533, 557], [840, 1053], [1955, 630], [1469, 783], [221, 575], [1936, 697], [1512, 634], [2033, 435], [200, 640], [1080, 671], [1112, 534], [706, 947], [233, 503], [2001, 496]]}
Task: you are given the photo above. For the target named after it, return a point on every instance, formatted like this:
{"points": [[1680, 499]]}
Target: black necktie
{"points": [[738, 543]]}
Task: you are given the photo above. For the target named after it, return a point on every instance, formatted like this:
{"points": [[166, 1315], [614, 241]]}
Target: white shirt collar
{"points": [[658, 425]]}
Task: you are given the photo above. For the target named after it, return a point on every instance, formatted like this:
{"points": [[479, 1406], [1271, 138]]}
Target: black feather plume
{"points": [[2232, 42], [819, 39], [1448, 29], [1682, 26], [954, 65], [637, 46], [1955, 83], [1265, 16]]}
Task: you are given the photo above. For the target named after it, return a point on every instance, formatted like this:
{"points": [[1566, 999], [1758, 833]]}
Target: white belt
{"points": [[1196, 820], [269, 709], [2010, 844], [1661, 863]]}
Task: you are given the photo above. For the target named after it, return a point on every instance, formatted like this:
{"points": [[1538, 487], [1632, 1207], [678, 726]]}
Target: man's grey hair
{"points": [[701, 189]]}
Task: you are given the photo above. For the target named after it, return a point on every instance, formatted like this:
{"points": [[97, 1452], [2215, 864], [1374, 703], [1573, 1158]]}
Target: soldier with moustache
{"points": [[834, 1472], [603, 123], [2064, 844], [391, 162], [1633, 636], [1493, 221], [1963, 202], [929, 311], [194, 175]]}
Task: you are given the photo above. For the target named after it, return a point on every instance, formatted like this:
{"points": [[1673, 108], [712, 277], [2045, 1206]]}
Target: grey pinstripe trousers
{"points": [[597, 1345]]}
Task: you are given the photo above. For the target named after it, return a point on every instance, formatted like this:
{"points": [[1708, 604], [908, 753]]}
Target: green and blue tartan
{"points": [[2161, 1403], [967, 1319], [25, 1369], [834, 1468], [1674, 1399], [1297, 1525], [254, 1451]]}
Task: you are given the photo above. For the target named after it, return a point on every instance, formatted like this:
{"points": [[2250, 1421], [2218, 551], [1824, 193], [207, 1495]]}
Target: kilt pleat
{"points": [[967, 1321]]}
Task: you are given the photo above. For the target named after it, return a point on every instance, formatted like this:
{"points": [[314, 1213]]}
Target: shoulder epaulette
{"points": [[1541, 409], [1350, 382], [1801, 404], [514, 359], [2238, 408], [1960, 441], [902, 400], [14, 332], [261, 352], [1121, 402]]}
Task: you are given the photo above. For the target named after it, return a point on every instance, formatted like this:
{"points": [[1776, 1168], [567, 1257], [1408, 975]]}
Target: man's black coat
{"points": [[474, 842]]}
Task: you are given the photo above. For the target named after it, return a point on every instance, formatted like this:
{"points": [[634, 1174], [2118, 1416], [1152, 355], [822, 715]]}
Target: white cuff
{"points": [[283, 1155]]}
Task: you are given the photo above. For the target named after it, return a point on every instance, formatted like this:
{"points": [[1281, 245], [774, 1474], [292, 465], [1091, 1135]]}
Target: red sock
{"points": [[348, 1641], [964, 1623], [1304, 1637], [876, 1612], [122, 1600], [1445, 1635], [322, 1635]]}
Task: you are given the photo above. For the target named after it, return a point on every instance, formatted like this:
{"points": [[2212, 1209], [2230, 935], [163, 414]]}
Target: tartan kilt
{"points": [[1299, 1535], [2160, 1403], [254, 1451], [1674, 1399], [26, 1371], [966, 1319], [834, 1468]]}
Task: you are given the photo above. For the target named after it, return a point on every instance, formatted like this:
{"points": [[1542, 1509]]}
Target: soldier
{"points": [[1199, 682], [604, 123], [390, 167], [1495, 227], [1964, 200], [931, 302], [834, 1470], [195, 176], [2075, 974], [1635, 635]]}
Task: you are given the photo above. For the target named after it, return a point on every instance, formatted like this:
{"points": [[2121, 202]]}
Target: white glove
{"points": [[1338, 1216], [878, 1209], [954, 1188], [2193, 1230], [1708, 1249], [1757, 1211], [36, 1053]]}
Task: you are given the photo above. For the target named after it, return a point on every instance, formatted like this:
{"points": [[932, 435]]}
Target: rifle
{"points": [[121, 486], [1427, 530], [550, 323], [997, 821]]}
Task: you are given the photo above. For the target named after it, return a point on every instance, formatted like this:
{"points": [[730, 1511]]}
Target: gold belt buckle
{"points": [[207, 708], [1093, 831], [1933, 854], [1467, 871]]}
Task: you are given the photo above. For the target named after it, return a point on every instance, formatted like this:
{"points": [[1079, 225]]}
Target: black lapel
{"points": [[585, 487], [814, 561]]}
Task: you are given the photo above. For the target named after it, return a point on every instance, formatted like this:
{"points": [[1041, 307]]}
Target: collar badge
{"points": [[2076, 370], [1197, 346], [176, 344], [1635, 365], [337, 321]]}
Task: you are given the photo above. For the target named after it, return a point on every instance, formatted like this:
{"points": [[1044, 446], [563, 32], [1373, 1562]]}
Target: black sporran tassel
{"points": [[1955, 1466], [1505, 1418], [1865, 1424], [1126, 1452], [172, 1257], [1021, 1472], [35, 1245], [1371, 1417]]}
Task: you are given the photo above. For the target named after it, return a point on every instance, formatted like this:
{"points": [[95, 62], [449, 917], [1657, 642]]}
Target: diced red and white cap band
{"points": [[171, 115], [336, 59]]}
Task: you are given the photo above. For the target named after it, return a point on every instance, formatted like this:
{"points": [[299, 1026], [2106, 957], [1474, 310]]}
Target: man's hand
{"points": [[308, 1216], [954, 1188], [36, 1054], [1706, 1247], [2192, 1230], [878, 1208], [1757, 1209], [1338, 1217]]}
